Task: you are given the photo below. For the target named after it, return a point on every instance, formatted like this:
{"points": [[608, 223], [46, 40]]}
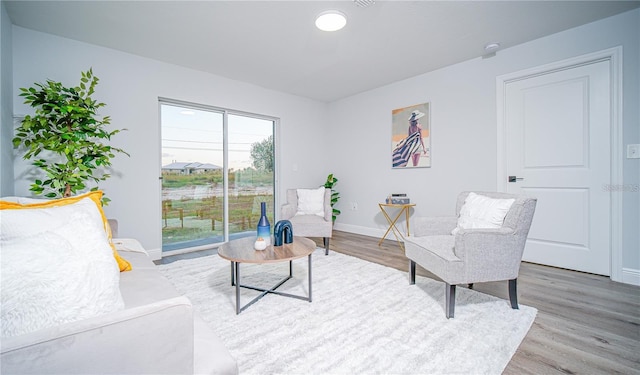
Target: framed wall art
{"points": [[411, 136]]}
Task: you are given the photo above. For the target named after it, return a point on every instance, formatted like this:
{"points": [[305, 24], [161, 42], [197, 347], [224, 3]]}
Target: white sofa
{"points": [[158, 332]]}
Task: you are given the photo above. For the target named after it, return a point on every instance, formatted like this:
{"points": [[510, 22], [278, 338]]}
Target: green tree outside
{"points": [[262, 155]]}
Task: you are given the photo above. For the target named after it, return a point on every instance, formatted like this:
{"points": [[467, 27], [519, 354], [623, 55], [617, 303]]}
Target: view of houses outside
{"points": [[193, 191]]}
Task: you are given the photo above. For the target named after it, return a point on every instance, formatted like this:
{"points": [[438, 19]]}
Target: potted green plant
{"points": [[71, 136], [329, 184]]}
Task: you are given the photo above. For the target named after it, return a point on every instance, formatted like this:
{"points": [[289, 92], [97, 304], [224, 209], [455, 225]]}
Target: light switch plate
{"points": [[633, 151]]}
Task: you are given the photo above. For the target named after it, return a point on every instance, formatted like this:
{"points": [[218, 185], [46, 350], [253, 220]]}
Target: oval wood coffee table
{"points": [[242, 251]]}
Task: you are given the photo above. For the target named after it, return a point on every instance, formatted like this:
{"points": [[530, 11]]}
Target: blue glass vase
{"points": [[264, 228]]}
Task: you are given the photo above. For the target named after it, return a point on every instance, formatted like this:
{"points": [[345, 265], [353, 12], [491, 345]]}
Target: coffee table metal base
{"points": [[235, 275]]}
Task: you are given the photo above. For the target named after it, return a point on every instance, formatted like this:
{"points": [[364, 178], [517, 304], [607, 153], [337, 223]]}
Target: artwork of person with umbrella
{"points": [[411, 147]]}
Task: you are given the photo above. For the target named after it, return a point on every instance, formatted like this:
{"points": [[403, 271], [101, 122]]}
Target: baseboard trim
{"points": [[356, 229], [155, 254], [631, 276]]}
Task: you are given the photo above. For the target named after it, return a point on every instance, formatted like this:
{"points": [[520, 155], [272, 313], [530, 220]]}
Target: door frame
{"points": [[614, 56]]}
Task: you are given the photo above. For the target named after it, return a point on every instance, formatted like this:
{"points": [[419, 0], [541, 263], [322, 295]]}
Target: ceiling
{"points": [[274, 44]]}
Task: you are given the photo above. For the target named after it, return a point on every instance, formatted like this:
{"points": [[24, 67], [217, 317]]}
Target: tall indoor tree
{"points": [[71, 136]]}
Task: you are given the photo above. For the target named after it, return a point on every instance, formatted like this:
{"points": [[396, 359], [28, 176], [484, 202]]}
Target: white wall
{"points": [[6, 105], [352, 135], [464, 131], [130, 86]]}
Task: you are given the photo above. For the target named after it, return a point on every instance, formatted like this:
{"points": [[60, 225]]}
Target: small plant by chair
{"points": [[329, 184]]}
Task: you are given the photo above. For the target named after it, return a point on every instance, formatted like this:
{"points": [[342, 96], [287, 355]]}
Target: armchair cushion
{"points": [[311, 201], [441, 245], [441, 258], [480, 211]]}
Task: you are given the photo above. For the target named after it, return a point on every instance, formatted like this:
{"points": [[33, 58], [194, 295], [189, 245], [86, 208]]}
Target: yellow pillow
{"points": [[94, 196]]}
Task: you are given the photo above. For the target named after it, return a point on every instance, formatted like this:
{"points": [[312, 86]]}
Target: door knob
{"points": [[515, 179]]}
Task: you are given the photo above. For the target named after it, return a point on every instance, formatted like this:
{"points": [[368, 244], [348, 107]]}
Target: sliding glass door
{"points": [[217, 166], [251, 178]]}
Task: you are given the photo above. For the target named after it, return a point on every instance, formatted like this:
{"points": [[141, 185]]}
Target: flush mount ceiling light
{"points": [[491, 47], [331, 20]]}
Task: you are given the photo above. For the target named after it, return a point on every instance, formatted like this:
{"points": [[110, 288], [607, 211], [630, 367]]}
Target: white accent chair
{"points": [[471, 255], [309, 225]]}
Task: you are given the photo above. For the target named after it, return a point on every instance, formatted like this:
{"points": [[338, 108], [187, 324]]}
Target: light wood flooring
{"points": [[586, 324]]}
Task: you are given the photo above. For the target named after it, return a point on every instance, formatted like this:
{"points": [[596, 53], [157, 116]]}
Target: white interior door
{"points": [[557, 133]]}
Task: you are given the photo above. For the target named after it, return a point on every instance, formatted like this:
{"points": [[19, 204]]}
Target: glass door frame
{"points": [[225, 167]]}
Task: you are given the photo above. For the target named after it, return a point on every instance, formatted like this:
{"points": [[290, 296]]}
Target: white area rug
{"points": [[364, 319]]}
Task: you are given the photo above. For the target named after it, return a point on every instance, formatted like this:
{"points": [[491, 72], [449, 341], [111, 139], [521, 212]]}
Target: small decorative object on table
{"points": [[264, 228], [260, 244], [398, 198], [283, 231]]}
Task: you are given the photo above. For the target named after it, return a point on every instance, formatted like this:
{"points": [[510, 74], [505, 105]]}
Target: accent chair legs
{"points": [[513, 293], [450, 297], [412, 272], [450, 300], [450, 292], [325, 240]]}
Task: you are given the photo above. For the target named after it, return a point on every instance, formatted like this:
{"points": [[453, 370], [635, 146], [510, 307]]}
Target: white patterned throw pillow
{"points": [[480, 211], [311, 201]]}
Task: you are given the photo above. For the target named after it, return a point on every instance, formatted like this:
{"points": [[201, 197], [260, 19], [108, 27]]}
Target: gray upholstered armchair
{"points": [[309, 225], [472, 255]]}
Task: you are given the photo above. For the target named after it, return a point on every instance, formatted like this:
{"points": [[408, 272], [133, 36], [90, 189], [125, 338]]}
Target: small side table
{"points": [[403, 208]]}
